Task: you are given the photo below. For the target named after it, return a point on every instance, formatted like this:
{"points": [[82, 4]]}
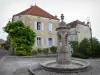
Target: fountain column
{"points": [[63, 55]]}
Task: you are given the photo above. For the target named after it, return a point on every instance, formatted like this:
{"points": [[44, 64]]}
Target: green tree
{"points": [[74, 45], [22, 37], [83, 47], [95, 52]]}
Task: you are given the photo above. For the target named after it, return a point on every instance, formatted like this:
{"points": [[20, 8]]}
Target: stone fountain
{"points": [[63, 62]]}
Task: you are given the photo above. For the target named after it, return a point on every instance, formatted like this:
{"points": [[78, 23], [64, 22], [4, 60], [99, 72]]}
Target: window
{"points": [[73, 37], [50, 27], [39, 42], [50, 41], [38, 25]]}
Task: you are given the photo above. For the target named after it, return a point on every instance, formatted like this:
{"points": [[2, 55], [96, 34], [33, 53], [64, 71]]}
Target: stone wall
{"points": [[84, 32], [79, 33]]}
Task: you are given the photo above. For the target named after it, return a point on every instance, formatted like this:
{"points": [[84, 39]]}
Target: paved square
{"points": [[19, 66]]}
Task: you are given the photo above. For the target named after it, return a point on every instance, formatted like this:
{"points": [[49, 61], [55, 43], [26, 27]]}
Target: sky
{"points": [[72, 10]]}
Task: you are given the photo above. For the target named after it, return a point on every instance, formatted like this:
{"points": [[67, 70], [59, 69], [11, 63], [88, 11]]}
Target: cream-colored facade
{"points": [[45, 32], [80, 32]]}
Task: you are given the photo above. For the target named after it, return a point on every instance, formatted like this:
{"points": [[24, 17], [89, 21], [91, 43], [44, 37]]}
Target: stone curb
{"points": [[85, 66], [36, 56]]}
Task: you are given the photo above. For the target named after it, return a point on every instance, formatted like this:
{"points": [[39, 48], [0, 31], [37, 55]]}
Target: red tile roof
{"points": [[37, 11], [77, 22]]}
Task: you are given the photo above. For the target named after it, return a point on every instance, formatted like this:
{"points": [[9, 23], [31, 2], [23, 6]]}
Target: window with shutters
{"points": [[39, 41], [50, 42], [39, 26], [50, 27]]}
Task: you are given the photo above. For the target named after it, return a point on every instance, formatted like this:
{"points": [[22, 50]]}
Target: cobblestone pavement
{"points": [[19, 66]]}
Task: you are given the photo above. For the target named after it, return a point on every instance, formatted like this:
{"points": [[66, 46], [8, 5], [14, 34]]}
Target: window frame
{"points": [[39, 25], [50, 27], [39, 42], [49, 42]]}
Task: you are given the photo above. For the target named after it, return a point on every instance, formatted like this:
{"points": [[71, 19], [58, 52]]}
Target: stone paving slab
{"points": [[13, 64]]}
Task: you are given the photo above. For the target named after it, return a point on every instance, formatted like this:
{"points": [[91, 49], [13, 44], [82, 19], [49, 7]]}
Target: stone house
{"points": [[79, 30], [43, 23]]}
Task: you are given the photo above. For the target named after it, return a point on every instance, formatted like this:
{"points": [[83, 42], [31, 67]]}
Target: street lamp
{"points": [[89, 23]]}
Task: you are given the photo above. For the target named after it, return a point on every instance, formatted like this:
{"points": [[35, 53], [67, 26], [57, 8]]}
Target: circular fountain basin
{"points": [[74, 66]]}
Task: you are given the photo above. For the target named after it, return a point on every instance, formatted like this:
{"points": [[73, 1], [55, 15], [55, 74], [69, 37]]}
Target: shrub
{"points": [[23, 52], [46, 50], [39, 50], [34, 52], [53, 49], [20, 52], [79, 55]]}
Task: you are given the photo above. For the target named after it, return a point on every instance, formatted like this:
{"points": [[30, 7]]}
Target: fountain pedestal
{"points": [[63, 56]]}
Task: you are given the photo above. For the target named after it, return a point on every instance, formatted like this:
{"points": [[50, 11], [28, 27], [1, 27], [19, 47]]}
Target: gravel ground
{"points": [[20, 65]]}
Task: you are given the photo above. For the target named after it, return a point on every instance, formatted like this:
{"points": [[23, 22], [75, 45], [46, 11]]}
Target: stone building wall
{"points": [[30, 20], [84, 32]]}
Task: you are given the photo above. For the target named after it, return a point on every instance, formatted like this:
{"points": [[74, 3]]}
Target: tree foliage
{"points": [[96, 48], [84, 48], [74, 45], [21, 37]]}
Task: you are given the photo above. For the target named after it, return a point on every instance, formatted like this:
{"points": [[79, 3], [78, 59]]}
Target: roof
{"points": [[37, 11], [74, 23]]}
